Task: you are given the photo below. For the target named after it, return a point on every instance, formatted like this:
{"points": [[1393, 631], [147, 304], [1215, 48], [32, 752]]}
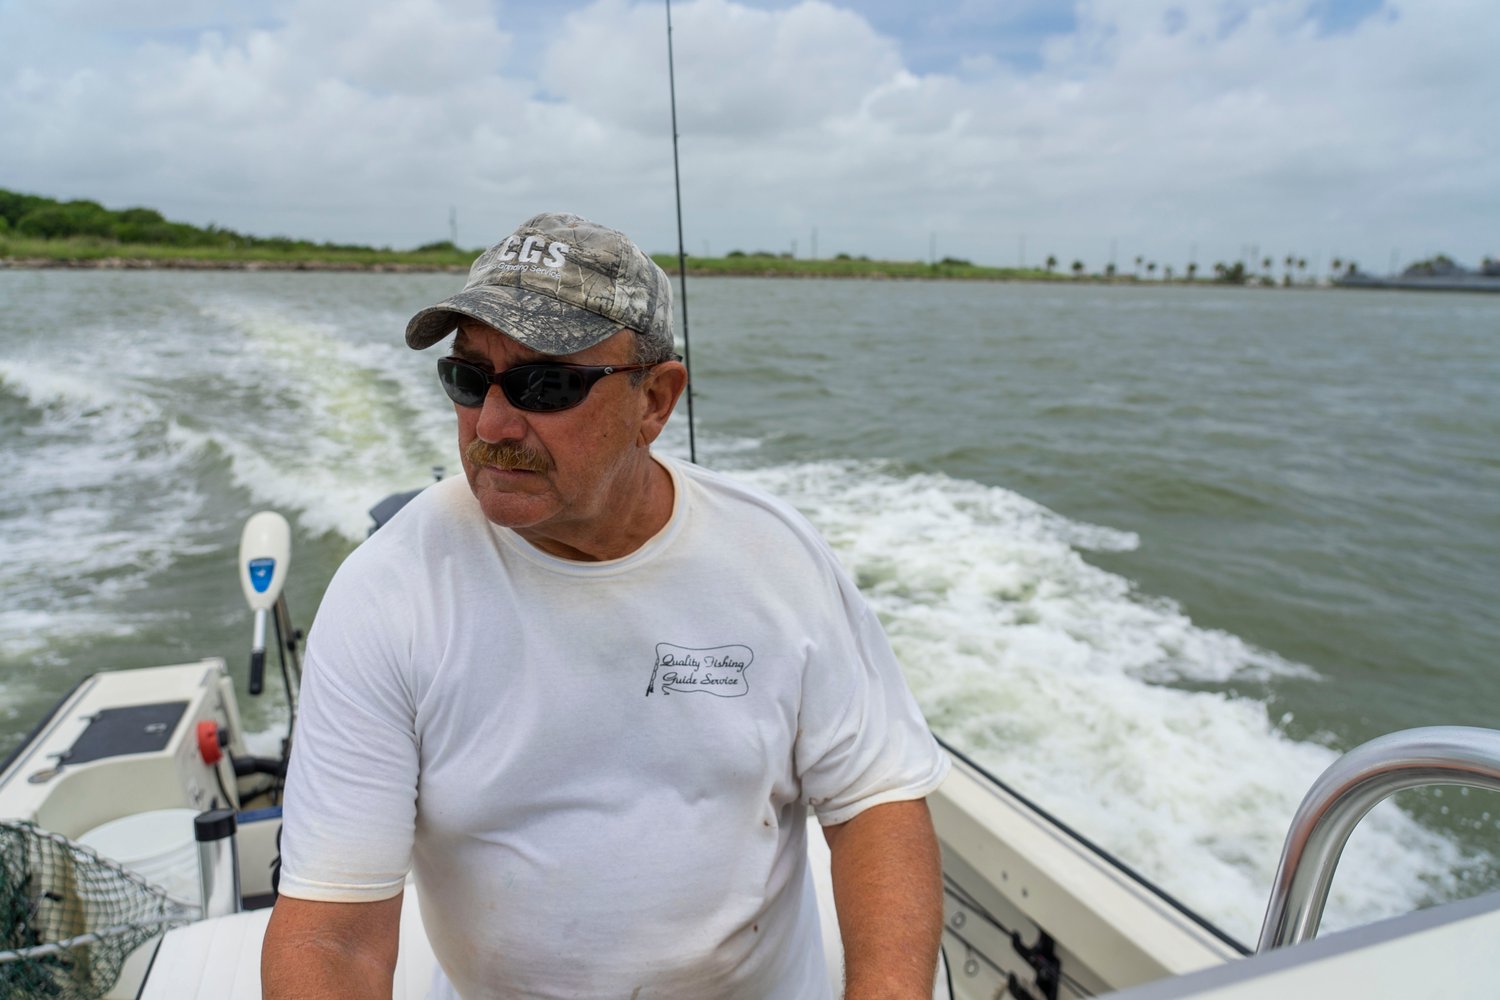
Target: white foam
{"points": [[63, 394], [1049, 671], [30, 633], [84, 487], [377, 425]]}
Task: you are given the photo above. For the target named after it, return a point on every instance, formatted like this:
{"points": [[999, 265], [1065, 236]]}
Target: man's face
{"points": [[564, 480]]}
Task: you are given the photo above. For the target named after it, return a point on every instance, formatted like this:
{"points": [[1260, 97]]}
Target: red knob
{"points": [[208, 742]]}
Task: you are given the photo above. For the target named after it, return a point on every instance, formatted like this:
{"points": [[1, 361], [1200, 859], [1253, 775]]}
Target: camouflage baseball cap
{"points": [[558, 284]]}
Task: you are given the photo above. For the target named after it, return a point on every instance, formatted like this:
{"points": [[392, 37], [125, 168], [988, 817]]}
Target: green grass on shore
{"points": [[768, 266], [84, 251], [77, 251]]}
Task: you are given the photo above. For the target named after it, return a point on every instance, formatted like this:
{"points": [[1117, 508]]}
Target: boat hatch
{"points": [[114, 732]]}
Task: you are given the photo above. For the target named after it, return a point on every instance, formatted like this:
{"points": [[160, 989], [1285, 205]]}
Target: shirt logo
{"points": [[719, 671]]}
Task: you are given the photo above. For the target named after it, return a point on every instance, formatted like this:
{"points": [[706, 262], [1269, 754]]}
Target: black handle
{"points": [[257, 670]]}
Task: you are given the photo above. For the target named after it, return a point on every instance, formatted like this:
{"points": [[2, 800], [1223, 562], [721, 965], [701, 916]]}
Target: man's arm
{"points": [[323, 951], [888, 888]]}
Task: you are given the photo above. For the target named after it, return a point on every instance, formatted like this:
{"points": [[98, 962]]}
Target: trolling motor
{"points": [[265, 558]]}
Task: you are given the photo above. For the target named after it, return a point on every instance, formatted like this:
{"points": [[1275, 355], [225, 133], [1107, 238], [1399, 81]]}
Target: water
{"points": [[1152, 555]]}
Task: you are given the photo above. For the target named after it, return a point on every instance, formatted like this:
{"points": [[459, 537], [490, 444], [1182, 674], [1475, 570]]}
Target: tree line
{"points": [[38, 217], [1235, 273]]}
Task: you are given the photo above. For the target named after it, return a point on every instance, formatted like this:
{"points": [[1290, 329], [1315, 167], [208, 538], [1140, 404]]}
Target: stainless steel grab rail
{"points": [[1354, 784]]}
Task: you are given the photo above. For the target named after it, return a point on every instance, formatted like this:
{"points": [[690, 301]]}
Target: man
{"points": [[588, 695]]}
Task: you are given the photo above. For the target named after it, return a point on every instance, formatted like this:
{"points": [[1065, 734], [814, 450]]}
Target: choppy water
{"points": [[1153, 555]]}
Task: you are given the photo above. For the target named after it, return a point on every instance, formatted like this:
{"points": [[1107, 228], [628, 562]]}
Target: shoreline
{"points": [[193, 264], [810, 270], [800, 274], [807, 270]]}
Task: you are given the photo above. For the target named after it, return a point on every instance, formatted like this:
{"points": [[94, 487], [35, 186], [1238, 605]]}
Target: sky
{"points": [[1194, 131]]}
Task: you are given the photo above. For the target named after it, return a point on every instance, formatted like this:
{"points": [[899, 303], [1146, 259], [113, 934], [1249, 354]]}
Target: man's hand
{"points": [[323, 951], [888, 888]]}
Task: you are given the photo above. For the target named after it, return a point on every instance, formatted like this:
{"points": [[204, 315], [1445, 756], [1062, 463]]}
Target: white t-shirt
{"points": [[598, 771]]}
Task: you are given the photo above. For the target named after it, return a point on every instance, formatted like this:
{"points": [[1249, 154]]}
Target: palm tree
{"points": [[1139, 260], [1192, 271], [1150, 269], [1078, 269], [1051, 262]]}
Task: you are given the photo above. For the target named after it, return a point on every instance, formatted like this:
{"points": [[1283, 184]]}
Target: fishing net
{"points": [[69, 918]]}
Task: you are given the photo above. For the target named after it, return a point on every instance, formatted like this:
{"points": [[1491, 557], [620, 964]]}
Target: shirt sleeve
{"points": [[862, 739], [350, 804]]}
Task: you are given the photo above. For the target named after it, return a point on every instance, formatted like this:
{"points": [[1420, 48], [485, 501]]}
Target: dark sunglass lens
{"points": [[542, 388], [465, 384]]}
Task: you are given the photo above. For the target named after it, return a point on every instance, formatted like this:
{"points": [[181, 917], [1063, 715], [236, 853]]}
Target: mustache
{"points": [[505, 455]]}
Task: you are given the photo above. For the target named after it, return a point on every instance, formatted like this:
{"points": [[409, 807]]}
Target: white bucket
{"points": [[158, 846]]}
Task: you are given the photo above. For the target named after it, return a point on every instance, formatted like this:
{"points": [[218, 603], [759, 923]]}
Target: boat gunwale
{"points": [[1125, 869], [31, 738]]}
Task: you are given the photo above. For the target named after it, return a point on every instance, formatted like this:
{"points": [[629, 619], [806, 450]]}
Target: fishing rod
{"points": [[687, 351]]}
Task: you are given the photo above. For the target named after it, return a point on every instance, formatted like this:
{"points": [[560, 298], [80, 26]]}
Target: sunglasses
{"points": [[545, 387]]}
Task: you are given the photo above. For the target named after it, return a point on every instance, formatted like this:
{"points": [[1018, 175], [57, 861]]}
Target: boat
{"points": [[1467, 281], [138, 842], [1440, 274]]}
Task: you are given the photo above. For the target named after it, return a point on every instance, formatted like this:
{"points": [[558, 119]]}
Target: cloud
{"points": [[1149, 126]]}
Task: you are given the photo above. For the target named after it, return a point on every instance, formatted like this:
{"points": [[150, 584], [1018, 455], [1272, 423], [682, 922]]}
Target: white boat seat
{"points": [[220, 959]]}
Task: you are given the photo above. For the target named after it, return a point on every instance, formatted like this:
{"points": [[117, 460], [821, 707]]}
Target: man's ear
{"points": [[664, 385]]}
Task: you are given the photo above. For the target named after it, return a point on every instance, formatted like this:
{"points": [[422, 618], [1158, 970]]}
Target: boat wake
{"points": [[1076, 688]]}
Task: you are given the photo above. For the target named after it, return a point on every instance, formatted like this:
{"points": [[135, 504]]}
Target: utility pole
{"points": [[453, 225]]}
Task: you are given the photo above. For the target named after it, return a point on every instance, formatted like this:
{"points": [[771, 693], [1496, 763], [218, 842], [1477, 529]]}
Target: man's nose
{"points": [[498, 419]]}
